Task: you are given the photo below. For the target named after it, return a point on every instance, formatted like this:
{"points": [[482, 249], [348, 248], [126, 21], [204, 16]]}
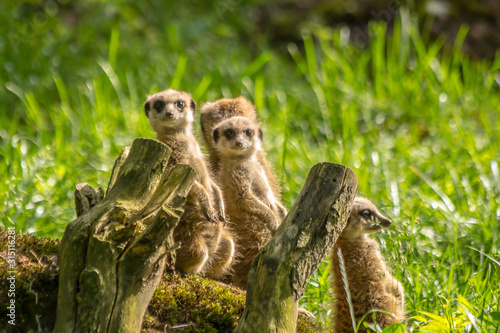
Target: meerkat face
{"points": [[170, 109], [364, 219], [237, 137]]}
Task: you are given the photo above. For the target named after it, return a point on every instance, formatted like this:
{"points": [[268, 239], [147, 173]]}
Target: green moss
{"points": [[36, 281], [309, 325], [202, 304], [39, 246]]}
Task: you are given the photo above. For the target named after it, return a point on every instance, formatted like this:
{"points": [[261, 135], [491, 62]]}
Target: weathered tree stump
{"points": [[282, 269], [112, 256]]}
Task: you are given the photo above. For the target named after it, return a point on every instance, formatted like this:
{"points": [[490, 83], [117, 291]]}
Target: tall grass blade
{"points": [[179, 72], [487, 256], [465, 306], [257, 64], [343, 272], [114, 42], [435, 188], [202, 87]]}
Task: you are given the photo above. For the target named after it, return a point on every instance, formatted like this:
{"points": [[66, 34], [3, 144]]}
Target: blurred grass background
{"points": [[415, 117]]}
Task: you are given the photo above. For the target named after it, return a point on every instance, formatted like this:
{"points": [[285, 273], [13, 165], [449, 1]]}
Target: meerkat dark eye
{"points": [[180, 105], [229, 133], [366, 214], [249, 133], [159, 105]]}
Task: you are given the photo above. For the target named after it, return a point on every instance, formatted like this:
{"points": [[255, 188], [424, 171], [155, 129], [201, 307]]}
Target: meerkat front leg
{"points": [[282, 213], [204, 198], [218, 200], [224, 255], [259, 208]]}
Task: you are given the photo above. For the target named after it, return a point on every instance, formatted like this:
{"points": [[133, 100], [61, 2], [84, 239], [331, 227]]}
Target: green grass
{"points": [[417, 121]]}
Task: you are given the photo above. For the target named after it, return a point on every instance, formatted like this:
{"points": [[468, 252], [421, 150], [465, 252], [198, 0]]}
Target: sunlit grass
{"points": [[417, 121], [420, 128]]}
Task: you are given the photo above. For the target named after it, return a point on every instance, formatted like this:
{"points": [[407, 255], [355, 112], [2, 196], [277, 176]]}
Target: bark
{"points": [[112, 256], [282, 269]]}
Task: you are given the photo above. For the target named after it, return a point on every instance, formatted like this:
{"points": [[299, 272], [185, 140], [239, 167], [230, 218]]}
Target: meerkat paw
{"points": [[192, 259], [221, 214], [223, 257], [282, 213], [223, 219], [211, 215], [274, 221], [218, 201]]}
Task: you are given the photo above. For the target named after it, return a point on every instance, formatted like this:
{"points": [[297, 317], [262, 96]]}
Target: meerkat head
{"points": [[237, 137], [212, 113], [364, 219], [170, 109]]}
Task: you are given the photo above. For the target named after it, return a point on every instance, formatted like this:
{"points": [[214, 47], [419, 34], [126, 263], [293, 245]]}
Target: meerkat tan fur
{"points": [[207, 247], [370, 283], [213, 113], [253, 210]]}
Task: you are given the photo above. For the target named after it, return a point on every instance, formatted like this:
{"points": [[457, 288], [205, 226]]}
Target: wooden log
{"points": [[113, 254], [282, 269]]}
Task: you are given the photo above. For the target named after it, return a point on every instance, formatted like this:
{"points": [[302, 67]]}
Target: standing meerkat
{"points": [[213, 113], [370, 283], [207, 248], [254, 211]]}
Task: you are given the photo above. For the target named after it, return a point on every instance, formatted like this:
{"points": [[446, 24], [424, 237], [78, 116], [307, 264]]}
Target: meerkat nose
{"points": [[239, 144], [385, 222], [169, 115]]}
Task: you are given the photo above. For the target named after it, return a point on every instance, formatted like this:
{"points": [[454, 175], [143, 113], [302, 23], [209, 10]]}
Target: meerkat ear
{"points": [[193, 106], [147, 108], [261, 135], [216, 135], [202, 117]]}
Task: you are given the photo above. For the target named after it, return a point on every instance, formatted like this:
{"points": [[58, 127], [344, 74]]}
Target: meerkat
{"points": [[254, 211], [213, 113], [370, 283], [207, 247]]}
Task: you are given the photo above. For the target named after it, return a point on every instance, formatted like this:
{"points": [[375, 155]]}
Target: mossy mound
{"points": [[36, 280], [194, 304], [180, 303]]}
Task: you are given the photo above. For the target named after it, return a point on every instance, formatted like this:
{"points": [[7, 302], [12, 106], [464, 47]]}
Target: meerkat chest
{"points": [[364, 261], [185, 150], [180, 150], [248, 176], [262, 186]]}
